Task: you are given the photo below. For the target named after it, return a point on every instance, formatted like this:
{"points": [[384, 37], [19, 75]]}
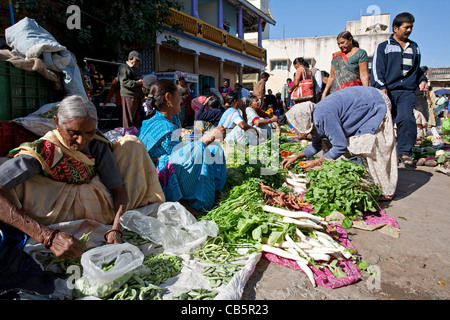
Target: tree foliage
{"points": [[109, 29]]}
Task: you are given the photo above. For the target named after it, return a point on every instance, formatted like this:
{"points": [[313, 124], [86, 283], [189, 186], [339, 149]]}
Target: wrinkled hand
{"points": [[288, 161], [67, 246], [307, 165], [114, 238]]}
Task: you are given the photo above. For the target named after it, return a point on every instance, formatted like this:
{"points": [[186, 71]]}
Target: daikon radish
{"points": [[292, 214], [302, 223], [283, 253], [295, 246], [305, 268]]}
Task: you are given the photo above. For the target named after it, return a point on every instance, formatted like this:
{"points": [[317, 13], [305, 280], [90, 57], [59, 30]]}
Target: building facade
{"points": [[206, 42], [369, 31]]}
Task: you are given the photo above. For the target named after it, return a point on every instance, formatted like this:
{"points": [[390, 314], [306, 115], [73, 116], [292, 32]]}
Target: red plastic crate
{"points": [[12, 135]]}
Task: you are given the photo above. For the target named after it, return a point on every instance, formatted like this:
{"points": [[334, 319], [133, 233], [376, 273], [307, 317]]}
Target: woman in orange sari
{"points": [[349, 67]]}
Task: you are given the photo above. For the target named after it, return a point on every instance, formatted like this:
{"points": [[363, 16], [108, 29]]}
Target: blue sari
{"points": [[191, 172], [235, 134]]}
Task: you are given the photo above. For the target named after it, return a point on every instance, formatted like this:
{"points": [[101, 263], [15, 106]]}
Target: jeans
{"points": [[403, 102]]}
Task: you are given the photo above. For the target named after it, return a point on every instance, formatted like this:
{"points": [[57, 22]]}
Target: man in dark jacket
{"points": [[396, 71], [131, 90]]}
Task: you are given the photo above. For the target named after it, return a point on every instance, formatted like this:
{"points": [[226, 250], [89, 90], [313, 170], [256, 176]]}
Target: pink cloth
{"points": [[380, 217], [197, 103]]}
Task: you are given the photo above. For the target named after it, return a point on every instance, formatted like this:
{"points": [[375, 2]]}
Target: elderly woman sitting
{"points": [[357, 122], [73, 173]]}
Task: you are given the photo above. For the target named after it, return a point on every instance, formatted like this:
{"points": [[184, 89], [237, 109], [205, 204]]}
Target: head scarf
{"points": [[300, 116]]}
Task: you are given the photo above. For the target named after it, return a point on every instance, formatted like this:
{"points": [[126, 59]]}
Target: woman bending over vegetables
{"points": [[356, 121]]}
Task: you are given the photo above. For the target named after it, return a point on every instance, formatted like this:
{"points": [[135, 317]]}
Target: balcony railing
{"points": [[201, 29]]}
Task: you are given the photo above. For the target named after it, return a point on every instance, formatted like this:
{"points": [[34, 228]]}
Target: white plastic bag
{"points": [[126, 258], [174, 227]]}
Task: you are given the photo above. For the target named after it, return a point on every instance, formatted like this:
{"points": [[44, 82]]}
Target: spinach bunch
{"points": [[341, 186]]}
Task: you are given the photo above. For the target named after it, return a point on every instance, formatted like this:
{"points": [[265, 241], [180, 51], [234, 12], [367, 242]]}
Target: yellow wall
{"points": [[181, 61]]}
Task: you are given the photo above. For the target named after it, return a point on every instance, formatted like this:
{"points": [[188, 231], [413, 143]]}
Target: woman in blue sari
{"points": [[190, 174], [233, 121]]}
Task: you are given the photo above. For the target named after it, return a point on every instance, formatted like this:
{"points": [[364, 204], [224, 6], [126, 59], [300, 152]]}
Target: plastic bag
{"points": [[446, 127], [125, 257], [174, 227]]}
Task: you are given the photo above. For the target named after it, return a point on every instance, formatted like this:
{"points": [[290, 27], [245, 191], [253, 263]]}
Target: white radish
{"points": [[295, 246], [295, 183], [283, 253], [291, 214], [302, 223], [300, 234], [286, 244], [330, 242], [319, 256], [305, 268], [300, 177]]}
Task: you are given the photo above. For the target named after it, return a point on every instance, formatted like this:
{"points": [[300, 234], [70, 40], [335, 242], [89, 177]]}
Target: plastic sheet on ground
{"points": [[190, 234]]}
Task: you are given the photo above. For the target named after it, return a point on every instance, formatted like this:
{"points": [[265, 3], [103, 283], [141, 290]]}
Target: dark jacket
{"points": [[210, 115], [387, 70], [129, 81]]}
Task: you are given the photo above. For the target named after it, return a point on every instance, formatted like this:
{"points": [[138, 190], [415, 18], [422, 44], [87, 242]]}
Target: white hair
{"points": [[74, 107]]}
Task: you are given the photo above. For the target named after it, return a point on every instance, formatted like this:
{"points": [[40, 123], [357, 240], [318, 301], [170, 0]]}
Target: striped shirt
{"points": [[100, 81], [408, 56]]}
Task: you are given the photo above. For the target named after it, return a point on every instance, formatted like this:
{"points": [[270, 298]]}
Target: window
{"points": [[278, 65]]}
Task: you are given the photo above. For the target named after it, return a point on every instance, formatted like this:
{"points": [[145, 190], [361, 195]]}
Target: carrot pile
{"points": [[289, 201]]}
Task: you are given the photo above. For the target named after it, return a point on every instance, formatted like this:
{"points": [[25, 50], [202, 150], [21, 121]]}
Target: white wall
{"points": [[319, 48]]}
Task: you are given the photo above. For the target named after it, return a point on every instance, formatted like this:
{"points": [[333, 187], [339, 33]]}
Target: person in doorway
{"points": [[226, 89], [396, 71], [349, 66], [131, 80]]}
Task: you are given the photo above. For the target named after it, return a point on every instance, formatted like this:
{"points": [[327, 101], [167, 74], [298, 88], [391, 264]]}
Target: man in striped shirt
{"points": [[396, 71]]}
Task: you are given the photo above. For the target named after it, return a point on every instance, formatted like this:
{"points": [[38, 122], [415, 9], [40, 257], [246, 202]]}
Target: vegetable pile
{"points": [[341, 186]]}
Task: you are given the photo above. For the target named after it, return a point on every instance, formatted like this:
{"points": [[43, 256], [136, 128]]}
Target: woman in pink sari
{"points": [[349, 67]]}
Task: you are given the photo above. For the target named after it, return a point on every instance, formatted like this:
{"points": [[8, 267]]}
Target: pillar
{"points": [[240, 74], [220, 14], [196, 64], [220, 73], [240, 23], [260, 32], [157, 57], [194, 11]]}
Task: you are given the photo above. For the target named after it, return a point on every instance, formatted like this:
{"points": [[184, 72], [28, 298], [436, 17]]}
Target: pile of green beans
{"points": [[195, 294], [133, 238], [221, 274], [138, 289], [162, 267]]}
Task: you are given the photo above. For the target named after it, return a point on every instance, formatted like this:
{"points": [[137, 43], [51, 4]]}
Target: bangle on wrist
{"points": [[109, 231], [49, 240]]}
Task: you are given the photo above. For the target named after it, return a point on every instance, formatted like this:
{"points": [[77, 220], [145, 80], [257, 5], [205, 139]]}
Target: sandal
{"points": [[406, 161]]}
